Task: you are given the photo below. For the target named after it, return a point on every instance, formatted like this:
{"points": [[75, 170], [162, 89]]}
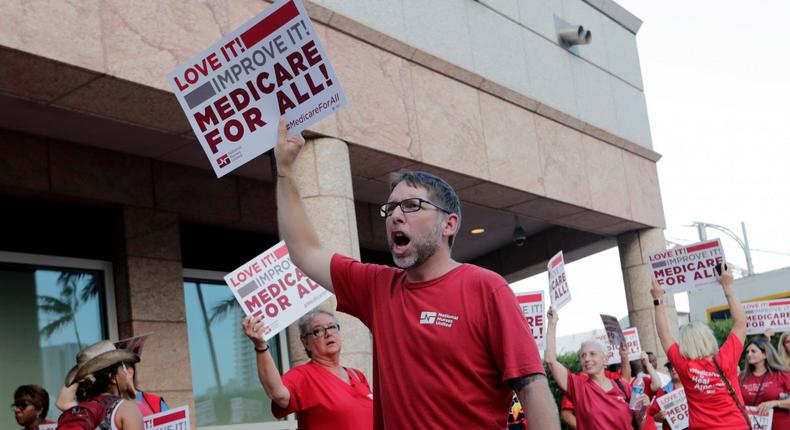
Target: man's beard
{"points": [[422, 249]]}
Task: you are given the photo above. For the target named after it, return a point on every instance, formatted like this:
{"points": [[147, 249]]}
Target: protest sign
{"points": [[687, 268], [767, 315], [631, 336], [134, 344], [613, 330], [532, 306], [760, 421], [272, 286], [558, 283], [235, 92], [52, 426], [676, 407], [173, 419]]}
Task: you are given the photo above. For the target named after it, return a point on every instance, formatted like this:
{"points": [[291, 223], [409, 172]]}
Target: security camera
{"points": [[519, 236], [575, 35]]}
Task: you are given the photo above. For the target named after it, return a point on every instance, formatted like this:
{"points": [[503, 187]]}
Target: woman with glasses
{"points": [[323, 393], [31, 404], [765, 382]]}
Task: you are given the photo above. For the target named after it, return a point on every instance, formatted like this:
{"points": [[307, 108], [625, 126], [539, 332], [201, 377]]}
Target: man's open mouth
{"points": [[399, 239]]}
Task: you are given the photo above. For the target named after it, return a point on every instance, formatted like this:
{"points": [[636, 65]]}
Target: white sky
{"points": [[717, 83]]}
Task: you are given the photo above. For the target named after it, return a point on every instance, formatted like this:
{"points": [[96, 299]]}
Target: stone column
{"points": [[323, 175], [634, 250], [149, 288]]}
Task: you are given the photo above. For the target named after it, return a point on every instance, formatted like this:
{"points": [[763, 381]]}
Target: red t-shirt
{"points": [[321, 400], [443, 350], [710, 404], [774, 384], [598, 409], [567, 404]]}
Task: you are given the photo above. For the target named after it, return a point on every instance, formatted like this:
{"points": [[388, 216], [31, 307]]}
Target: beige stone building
{"points": [[113, 224]]}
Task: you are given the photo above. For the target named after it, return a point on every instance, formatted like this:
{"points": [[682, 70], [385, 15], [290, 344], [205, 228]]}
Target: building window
{"points": [[50, 308], [224, 373]]}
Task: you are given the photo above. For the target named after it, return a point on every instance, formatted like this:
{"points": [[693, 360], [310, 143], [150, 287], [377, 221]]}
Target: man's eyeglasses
{"points": [[407, 206], [323, 331]]}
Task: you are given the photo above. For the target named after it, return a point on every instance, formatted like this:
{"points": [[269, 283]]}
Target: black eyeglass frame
{"points": [[386, 209], [322, 331]]}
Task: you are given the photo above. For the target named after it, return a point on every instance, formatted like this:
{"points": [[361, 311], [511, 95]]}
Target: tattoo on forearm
{"points": [[518, 383]]}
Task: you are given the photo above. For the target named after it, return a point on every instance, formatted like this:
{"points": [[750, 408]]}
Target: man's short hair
{"points": [[439, 192], [35, 395]]}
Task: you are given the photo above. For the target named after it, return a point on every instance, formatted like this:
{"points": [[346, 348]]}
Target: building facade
{"points": [[114, 225]]}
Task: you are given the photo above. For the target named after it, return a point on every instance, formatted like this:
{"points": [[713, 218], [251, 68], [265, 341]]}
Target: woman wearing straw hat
{"points": [[101, 377]]}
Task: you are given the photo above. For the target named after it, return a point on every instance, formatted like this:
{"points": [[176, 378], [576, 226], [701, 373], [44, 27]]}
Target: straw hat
{"points": [[96, 357]]}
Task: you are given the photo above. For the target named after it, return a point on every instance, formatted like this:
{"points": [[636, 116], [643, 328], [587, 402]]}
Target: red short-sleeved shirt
{"points": [[322, 401], [443, 350], [598, 409], [710, 404], [774, 384]]}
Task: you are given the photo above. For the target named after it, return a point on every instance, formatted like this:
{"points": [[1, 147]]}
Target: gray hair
{"points": [[595, 343], [439, 191], [304, 325], [696, 340]]}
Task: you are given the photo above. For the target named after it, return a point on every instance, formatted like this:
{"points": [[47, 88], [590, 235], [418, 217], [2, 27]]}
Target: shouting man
{"points": [[450, 341]]}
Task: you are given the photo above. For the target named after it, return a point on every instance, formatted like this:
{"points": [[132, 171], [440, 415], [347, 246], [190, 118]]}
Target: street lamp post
{"points": [[744, 244]]}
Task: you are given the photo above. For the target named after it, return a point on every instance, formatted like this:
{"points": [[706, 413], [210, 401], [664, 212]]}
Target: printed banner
{"points": [[676, 407], [235, 92], [687, 268], [558, 283], [631, 339], [760, 421], [272, 286], [767, 315], [532, 306], [173, 419]]}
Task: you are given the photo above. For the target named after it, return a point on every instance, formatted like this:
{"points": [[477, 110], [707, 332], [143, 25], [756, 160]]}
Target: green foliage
{"points": [[570, 361], [721, 329]]}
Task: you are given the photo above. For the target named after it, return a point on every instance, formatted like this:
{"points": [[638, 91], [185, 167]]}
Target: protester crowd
{"points": [[467, 372]]}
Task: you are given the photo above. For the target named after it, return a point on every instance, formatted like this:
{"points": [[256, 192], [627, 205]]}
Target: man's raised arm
{"points": [[295, 227]]}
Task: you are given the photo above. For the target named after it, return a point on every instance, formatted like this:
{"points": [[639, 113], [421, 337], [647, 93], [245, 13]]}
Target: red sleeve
{"points": [[353, 284], [785, 381], [566, 404], [730, 353], [510, 336], [674, 357], [292, 380]]}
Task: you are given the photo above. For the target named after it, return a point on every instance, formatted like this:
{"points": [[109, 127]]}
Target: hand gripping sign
{"points": [[676, 407], [173, 419], [235, 92], [631, 336], [767, 315], [272, 286], [531, 305], [760, 421], [687, 268], [558, 283]]}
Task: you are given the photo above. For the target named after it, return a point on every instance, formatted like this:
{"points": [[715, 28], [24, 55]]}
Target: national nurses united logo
{"points": [[437, 318]]}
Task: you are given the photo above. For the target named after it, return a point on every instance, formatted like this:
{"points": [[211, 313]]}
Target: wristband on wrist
{"points": [[262, 349], [657, 302]]}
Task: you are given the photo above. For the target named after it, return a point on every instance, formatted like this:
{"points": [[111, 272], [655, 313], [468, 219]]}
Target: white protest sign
{"points": [[531, 304], [52, 426], [613, 330], [760, 421], [687, 268], [272, 286], [559, 292], [235, 92], [676, 407], [631, 339], [173, 419], [767, 315]]}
